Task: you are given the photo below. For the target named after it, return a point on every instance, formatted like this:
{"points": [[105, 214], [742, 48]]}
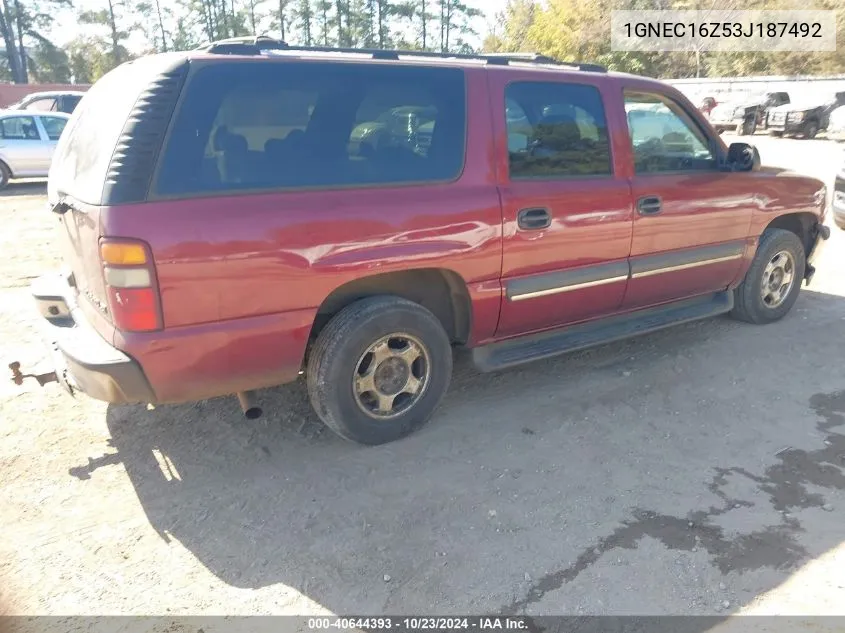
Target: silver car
{"points": [[27, 142]]}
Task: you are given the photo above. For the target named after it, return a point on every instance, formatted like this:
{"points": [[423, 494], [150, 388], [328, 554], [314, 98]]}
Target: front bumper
{"points": [[786, 126], [84, 361]]}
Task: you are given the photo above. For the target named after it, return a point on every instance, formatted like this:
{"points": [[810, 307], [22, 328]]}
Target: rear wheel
{"points": [[773, 281], [5, 175], [379, 369]]}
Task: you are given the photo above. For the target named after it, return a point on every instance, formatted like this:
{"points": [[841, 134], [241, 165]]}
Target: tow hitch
{"points": [[43, 379]]}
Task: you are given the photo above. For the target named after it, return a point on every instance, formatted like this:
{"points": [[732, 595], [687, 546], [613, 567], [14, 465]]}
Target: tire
{"points": [[747, 127], [750, 305], [811, 129], [776, 133], [5, 175], [342, 364]]}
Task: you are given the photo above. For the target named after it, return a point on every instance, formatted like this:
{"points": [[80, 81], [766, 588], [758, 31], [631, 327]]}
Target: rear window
{"points": [[84, 151], [245, 126]]}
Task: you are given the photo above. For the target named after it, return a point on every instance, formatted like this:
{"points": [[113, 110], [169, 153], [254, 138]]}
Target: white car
{"points": [[27, 142]]}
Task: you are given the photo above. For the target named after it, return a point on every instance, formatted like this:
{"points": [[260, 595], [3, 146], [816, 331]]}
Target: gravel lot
{"points": [[694, 471]]}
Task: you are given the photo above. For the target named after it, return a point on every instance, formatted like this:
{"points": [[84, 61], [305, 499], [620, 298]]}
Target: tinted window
{"points": [[281, 125], [81, 160], [556, 130], [69, 103], [664, 137], [21, 128], [54, 126]]}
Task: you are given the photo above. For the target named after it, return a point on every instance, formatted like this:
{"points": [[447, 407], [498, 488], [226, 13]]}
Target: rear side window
{"points": [[556, 130], [69, 103], [245, 126], [19, 128], [54, 126]]}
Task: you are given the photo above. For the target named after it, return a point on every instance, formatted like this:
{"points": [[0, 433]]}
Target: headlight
{"points": [[739, 112], [797, 116]]}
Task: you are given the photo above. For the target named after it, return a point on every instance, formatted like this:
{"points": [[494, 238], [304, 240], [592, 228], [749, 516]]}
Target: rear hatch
{"points": [[98, 163]]}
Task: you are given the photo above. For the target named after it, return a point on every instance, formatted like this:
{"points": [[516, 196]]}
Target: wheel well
{"points": [[799, 223], [442, 291]]}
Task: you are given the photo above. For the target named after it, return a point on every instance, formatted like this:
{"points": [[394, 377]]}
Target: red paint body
{"points": [[242, 276]]}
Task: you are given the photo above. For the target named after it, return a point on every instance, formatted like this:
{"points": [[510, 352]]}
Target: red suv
{"points": [[238, 216]]}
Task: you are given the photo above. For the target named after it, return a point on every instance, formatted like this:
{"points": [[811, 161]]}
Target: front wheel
{"points": [[773, 281], [776, 133], [5, 175], [379, 369], [747, 127], [811, 130]]}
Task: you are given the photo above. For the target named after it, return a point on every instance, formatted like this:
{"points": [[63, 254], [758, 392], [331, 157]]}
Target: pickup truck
{"points": [[748, 115]]}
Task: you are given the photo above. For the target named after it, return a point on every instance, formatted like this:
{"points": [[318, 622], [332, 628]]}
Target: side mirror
{"points": [[743, 157]]}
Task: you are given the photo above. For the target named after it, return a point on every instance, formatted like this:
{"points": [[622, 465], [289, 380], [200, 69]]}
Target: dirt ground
{"points": [[694, 471]]}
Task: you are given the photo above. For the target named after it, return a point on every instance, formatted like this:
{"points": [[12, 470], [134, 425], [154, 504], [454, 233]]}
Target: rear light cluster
{"points": [[131, 285]]}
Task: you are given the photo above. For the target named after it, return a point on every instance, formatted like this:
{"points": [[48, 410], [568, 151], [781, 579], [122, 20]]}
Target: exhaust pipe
{"points": [[249, 405]]}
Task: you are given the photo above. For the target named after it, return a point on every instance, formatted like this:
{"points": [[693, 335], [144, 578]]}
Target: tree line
{"points": [[579, 30], [110, 34]]}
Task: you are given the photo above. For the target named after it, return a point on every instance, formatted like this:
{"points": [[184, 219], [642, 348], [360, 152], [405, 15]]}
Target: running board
{"points": [[576, 337]]}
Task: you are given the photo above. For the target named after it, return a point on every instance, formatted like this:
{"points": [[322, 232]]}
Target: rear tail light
{"points": [[131, 285]]}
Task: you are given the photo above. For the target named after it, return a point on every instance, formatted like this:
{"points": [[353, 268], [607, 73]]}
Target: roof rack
{"points": [[255, 45]]}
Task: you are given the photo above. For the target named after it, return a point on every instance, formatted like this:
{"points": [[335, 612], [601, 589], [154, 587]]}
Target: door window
{"points": [[664, 136], [556, 130], [54, 126], [19, 128], [69, 103], [48, 104]]}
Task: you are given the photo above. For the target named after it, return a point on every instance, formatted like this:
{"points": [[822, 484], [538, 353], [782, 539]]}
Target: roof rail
{"points": [[255, 45]]}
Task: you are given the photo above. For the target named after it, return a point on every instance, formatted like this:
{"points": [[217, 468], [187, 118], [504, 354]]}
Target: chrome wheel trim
{"points": [[778, 279], [391, 376]]}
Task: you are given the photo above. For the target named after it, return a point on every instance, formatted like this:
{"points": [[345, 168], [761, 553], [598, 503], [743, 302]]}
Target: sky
{"points": [[66, 27]]}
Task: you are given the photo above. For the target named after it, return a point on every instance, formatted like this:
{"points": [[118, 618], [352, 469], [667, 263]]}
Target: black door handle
{"points": [[534, 219], [649, 205]]}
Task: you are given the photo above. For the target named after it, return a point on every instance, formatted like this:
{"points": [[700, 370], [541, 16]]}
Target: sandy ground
{"points": [[694, 471]]}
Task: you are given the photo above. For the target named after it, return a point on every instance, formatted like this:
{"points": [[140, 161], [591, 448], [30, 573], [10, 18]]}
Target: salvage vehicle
{"points": [[27, 143], [805, 118], [745, 117], [226, 233]]}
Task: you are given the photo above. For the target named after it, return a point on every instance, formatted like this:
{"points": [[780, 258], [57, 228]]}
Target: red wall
{"points": [[12, 93]]}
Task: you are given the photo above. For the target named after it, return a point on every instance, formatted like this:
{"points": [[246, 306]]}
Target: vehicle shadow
{"points": [[24, 188], [525, 482]]}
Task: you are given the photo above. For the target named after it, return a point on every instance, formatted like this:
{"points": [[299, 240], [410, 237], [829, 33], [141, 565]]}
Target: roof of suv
{"points": [[253, 46]]}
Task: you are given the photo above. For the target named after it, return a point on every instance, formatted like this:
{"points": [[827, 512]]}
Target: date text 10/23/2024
{"points": [[418, 623]]}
